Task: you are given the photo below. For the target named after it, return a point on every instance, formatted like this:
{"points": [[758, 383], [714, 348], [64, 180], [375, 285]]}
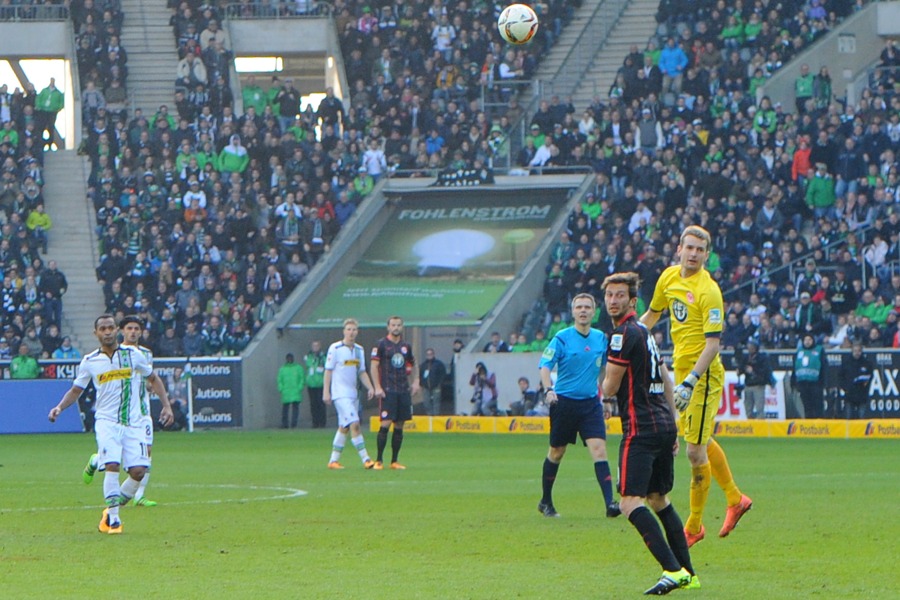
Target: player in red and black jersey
{"points": [[392, 367], [637, 380]]}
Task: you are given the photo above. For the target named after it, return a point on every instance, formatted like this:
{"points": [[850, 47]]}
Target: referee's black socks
{"points": [[604, 478], [547, 480]]}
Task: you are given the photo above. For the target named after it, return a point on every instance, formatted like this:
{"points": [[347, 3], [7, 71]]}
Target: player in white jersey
{"points": [[344, 364], [116, 372], [132, 327]]}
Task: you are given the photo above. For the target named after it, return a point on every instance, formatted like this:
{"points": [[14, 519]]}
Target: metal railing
{"points": [[433, 172], [575, 65], [797, 263], [276, 9]]}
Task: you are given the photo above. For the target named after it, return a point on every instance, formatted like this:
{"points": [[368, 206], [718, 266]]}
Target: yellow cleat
{"points": [[369, 464], [335, 465], [378, 466]]}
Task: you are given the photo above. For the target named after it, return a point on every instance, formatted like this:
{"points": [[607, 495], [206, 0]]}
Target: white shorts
{"points": [[117, 443], [347, 411], [147, 425]]}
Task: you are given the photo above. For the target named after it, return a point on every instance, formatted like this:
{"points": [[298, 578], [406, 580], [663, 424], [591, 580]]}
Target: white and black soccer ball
{"points": [[517, 24]]}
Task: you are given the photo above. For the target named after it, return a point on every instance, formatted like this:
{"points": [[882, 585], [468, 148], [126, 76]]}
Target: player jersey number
{"points": [[653, 349], [149, 430]]}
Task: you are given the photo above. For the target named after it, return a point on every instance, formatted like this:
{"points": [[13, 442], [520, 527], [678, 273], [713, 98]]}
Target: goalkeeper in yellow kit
{"points": [[696, 314]]}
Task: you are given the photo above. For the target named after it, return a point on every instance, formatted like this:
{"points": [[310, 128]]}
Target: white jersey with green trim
{"points": [[346, 363], [117, 381], [141, 382]]}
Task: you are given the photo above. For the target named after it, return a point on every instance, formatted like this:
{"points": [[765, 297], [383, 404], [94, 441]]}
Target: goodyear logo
{"points": [[114, 375]]}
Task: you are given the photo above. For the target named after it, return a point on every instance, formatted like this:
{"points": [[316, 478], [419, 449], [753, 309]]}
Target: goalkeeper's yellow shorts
{"points": [[699, 418]]}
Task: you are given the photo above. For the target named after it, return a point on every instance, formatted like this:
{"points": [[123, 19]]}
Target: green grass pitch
{"points": [[460, 523]]}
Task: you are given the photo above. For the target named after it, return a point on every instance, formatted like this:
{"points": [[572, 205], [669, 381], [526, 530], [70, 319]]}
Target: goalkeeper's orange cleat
{"points": [[734, 513], [397, 466], [693, 538]]}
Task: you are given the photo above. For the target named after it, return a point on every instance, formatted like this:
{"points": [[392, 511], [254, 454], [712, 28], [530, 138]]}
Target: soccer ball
{"points": [[517, 24]]}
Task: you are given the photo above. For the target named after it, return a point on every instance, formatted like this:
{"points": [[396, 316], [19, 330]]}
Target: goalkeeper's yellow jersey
{"points": [[696, 311]]}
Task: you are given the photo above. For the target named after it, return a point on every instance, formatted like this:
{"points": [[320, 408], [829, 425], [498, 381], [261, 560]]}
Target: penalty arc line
{"points": [[289, 493]]}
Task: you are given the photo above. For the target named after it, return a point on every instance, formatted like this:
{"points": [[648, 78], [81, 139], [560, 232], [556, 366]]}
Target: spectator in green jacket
{"points": [[803, 89], [24, 366], [233, 158], [48, 104], [315, 382], [272, 96], [820, 192], [254, 96], [765, 119], [540, 341], [291, 379]]}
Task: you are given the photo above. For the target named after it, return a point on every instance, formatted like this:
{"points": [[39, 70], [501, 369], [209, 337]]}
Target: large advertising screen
{"points": [[443, 258]]}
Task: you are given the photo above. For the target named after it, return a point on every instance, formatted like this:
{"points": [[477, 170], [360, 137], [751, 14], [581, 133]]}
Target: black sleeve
{"points": [[622, 345]]}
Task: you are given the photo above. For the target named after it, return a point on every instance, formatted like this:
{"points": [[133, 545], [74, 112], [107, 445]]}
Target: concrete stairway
{"points": [[554, 62], [634, 27], [150, 42], [73, 243]]}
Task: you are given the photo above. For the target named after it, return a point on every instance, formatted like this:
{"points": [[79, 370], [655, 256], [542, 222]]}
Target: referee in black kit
{"points": [[638, 381]]}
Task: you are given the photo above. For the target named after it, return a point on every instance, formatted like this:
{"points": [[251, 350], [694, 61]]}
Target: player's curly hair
{"points": [[632, 280]]}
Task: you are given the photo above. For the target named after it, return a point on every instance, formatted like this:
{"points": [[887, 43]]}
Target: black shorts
{"points": [[396, 406], [568, 418], [647, 465]]}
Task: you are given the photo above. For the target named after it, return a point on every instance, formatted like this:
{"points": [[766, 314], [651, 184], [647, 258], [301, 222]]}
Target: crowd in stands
{"points": [[209, 216], [31, 291], [801, 200]]}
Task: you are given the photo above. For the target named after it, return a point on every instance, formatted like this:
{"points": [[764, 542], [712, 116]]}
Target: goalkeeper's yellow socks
{"points": [[718, 462], [699, 493]]}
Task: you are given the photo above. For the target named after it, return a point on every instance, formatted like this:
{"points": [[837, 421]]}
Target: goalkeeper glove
{"points": [[684, 390]]}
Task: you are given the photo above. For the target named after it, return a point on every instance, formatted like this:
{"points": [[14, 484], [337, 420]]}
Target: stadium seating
{"points": [[208, 219], [24, 304], [717, 158]]}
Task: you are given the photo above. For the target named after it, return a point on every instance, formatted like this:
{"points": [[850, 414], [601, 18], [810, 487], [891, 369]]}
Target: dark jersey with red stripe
{"points": [[642, 405], [396, 362]]}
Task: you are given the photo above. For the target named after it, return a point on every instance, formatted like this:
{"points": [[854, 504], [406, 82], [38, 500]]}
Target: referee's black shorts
{"points": [[569, 418], [647, 464]]}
